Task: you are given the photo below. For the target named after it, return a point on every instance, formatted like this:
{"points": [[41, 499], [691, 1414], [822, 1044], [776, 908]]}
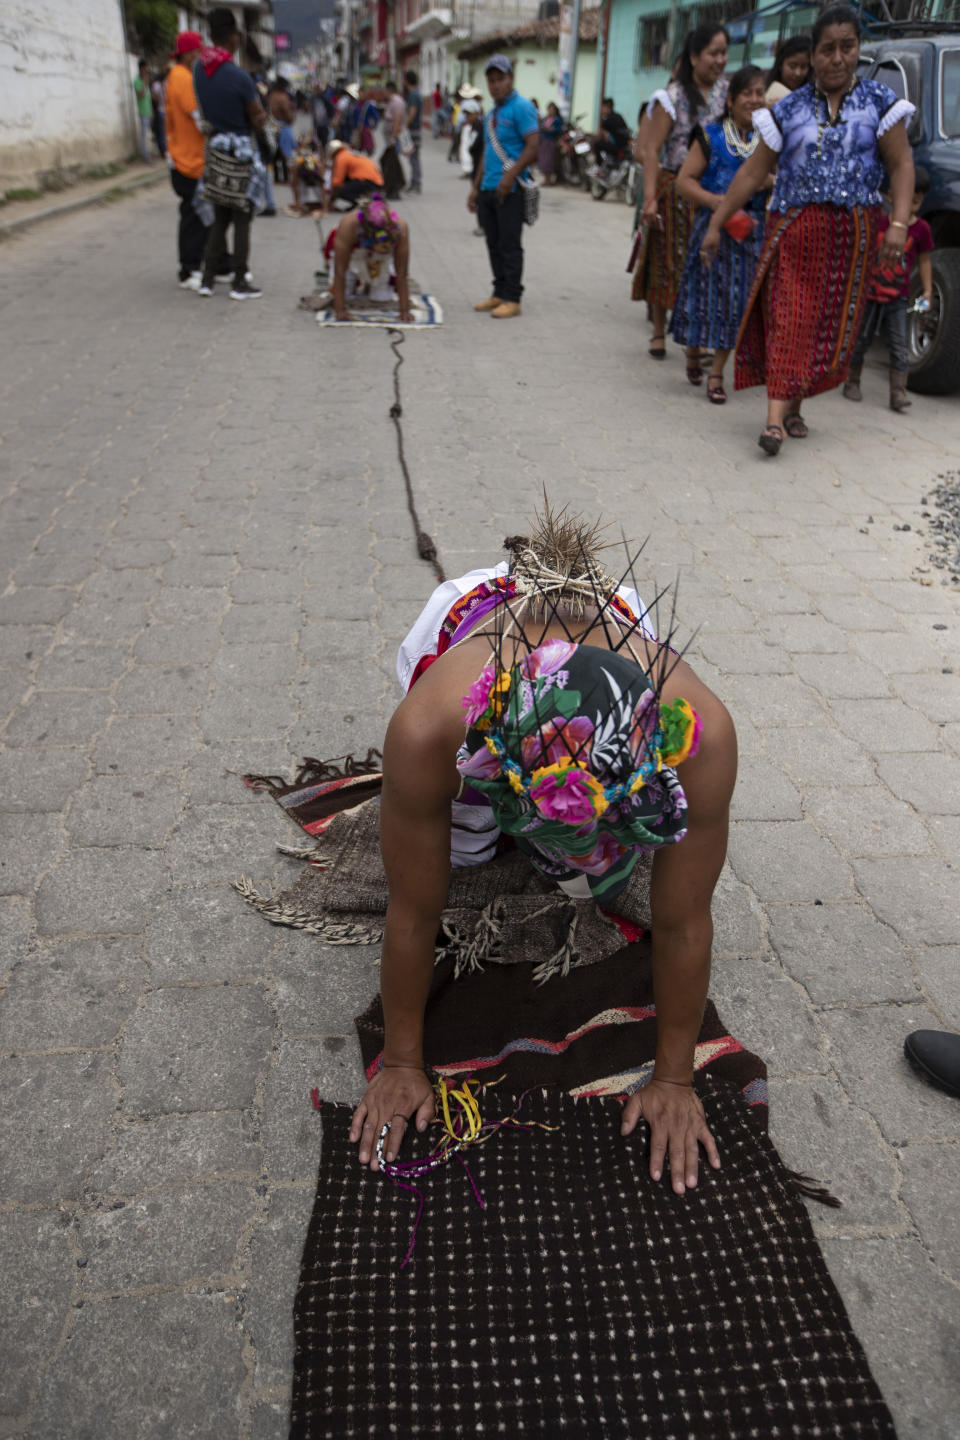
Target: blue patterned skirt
{"points": [[710, 303]]}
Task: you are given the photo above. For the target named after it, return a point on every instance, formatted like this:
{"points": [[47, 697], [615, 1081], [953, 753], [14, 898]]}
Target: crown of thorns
{"points": [[555, 576]]}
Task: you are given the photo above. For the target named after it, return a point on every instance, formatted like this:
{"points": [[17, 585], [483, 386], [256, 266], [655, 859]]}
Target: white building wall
{"points": [[65, 88]]}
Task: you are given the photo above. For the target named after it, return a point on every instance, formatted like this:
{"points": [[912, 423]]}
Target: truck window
{"points": [[902, 74], [950, 94]]}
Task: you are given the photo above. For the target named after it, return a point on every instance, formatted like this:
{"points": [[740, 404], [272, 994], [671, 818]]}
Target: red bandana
{"points": [[212, 57]]}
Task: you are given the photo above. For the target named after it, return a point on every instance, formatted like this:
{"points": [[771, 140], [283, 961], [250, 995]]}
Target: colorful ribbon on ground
{"points": [[462, 1125]]}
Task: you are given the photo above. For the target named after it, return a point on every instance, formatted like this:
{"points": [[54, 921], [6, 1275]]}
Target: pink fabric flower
{"points": [[564, 796], [476, 702], [547, 658], [481, 765], [561, 739]]}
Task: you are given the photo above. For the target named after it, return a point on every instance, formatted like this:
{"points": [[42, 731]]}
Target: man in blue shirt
{"points": [[512, 128]]}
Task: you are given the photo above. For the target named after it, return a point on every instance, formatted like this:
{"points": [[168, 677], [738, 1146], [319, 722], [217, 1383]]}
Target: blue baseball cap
{"points": [[498, 62]]}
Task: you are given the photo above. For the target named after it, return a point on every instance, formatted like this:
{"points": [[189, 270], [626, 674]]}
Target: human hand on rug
{"points": [[395, 1096], [677, 1124]]}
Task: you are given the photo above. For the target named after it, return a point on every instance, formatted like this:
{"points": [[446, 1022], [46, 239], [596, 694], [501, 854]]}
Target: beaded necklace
{"points": [[735, 141], [826, 119]]}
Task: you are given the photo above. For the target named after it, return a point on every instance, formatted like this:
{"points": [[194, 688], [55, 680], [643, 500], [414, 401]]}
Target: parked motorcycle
{"points": [[576, 155], [617, 174]]}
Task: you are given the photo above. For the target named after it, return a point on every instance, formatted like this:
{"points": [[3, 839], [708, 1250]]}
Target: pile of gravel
{"points": [[944, 525]]}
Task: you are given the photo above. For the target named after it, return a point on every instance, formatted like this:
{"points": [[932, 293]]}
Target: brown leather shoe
{"points": [[506, 310], [490, 304]]}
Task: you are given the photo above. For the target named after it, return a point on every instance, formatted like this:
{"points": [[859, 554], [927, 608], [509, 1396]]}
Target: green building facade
{"points": [[645, 36]]}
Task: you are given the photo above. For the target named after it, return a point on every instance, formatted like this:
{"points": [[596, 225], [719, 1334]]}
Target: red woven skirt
{"points": [[806, 306], [664, 252]]}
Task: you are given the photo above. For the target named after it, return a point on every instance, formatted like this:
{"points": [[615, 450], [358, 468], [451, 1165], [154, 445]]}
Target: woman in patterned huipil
{"points": [[834, 137], [710, 302], [696, 96]]}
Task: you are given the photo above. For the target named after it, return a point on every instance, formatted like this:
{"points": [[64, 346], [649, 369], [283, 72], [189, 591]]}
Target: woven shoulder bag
{"points": [[530, 188]]}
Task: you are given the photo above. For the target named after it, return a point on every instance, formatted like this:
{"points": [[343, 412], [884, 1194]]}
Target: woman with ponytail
{"points": [[696, 97]]}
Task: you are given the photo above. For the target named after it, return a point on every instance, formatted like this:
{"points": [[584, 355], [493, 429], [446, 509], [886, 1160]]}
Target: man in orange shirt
{"points": [[185, 151], [352, 176]]}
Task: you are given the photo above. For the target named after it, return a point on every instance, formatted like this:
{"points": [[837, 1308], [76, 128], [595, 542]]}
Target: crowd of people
{"points": [[762, 229], [779, 213], [229, 137]]}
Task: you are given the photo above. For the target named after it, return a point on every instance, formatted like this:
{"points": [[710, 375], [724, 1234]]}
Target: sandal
{"points": [[715, 391], [771, 438], [695, 373], [657, 351], [795, 426]]}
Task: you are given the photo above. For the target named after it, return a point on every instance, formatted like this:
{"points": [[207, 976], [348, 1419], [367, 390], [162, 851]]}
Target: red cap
{"points": [[188, 40]]}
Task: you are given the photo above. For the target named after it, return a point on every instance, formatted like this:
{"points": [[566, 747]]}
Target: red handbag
{"points": [[740, 225], [886, 281]]}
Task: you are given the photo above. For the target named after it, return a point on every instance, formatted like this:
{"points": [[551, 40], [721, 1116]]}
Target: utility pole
{"points": [[574, 47]]}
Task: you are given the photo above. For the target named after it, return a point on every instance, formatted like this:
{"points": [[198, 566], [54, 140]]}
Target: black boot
{"points": [[935, 1054]]}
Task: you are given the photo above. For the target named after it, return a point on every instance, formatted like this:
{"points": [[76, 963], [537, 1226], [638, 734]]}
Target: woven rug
{"points": [[425, 310], [499, 913], [593, 1034], [584, 1300], [557, 1288]]}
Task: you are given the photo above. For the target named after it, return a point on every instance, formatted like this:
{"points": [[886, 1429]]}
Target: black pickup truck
{"points": [[925, 68]]}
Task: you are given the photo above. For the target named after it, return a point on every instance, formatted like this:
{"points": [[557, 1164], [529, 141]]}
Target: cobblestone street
{"points": [[206, 563]]}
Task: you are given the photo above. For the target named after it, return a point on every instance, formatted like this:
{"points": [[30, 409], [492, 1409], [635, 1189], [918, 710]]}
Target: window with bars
{"points": [[651, 47]]}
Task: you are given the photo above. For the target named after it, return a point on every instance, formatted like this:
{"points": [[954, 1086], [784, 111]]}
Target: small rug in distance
{"points": [[585, 1300], [425, 310]]}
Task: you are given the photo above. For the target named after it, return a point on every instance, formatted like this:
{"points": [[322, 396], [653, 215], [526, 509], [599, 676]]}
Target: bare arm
{"points": [[897, 157], [640, 143], [925, 271], [687, 181], [420, 780], [750, 178], [342, 250], [684, 878], [655, 137], [402, 263], [510, 176], [256, 114]]}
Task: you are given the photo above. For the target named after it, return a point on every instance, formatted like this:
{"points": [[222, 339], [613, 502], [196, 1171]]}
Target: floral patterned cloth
{"points": [[824, 163], [576, 758], [676, 102]]}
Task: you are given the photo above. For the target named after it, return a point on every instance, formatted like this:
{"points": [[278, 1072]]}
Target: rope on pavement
{"points": [[426, 549]]}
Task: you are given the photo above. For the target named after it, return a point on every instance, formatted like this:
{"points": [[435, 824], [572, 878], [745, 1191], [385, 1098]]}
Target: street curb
{"points": [[11, 227]]}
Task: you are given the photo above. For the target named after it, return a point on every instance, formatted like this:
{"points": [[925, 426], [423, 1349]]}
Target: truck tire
{"points": [[935, 351]]}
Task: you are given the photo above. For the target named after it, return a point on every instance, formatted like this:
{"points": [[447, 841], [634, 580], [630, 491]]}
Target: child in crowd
{"points": [[889, 297]]}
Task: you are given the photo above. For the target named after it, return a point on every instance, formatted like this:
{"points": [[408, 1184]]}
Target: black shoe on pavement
{"points": [[243, 290], [271, 211], [935, 1054]]}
